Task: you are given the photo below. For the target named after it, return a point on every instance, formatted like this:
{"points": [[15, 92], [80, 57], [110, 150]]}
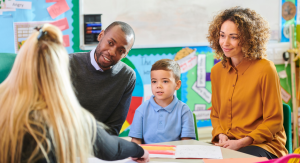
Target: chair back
{"points": [[6, 62], [287, 123], [196, 128]]}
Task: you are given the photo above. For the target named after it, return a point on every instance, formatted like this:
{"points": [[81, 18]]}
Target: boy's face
{"points": [[163, 85]]}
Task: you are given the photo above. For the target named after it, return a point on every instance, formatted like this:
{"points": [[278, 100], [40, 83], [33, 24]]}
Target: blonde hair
{"points": [[37, 99]]}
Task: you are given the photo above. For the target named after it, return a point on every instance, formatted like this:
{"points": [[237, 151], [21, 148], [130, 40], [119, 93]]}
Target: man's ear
{"points": [[178, 84], [101, 34], [126, 53]]}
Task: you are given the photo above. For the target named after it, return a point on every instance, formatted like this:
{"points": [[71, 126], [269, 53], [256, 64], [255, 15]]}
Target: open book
{"points": [[183, 151]]}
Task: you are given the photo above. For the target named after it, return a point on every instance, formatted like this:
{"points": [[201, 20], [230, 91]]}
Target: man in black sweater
{"points": [[104, 85]]}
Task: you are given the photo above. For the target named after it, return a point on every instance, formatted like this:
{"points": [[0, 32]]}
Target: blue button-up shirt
{"points": [[155, 124]]}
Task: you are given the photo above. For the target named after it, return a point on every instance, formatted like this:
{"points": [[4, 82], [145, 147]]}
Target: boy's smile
{"points": [[163, 86]]}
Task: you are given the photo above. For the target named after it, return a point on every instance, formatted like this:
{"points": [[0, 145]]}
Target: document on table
{"points": [[183, 151], [236, 160], [96, 160], [198, 151]]}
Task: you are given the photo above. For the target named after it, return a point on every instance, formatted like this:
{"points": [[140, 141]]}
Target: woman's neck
{"points": [[235, 61]]}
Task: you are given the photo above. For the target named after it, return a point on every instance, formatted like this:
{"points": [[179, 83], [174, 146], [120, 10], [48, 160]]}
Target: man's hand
{"points": [[145, 158], [236, 144], [223, 138]]}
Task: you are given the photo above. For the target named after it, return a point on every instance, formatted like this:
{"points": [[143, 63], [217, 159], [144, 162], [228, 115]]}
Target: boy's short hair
{"points": [[168, 65]]}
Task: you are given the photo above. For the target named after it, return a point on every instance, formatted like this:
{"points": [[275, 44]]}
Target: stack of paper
{"points": [[183, 151], [236, 160]]}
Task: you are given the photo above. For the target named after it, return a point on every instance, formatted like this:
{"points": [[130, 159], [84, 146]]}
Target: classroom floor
{"points": [[204, 134]]}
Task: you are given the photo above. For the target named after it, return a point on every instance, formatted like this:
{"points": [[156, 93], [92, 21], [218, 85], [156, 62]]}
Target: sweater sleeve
{"points": [[272, 107], [117, 118], [108, 147]]}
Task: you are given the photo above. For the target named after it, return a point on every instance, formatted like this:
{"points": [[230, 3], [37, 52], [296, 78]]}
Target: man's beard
{"points": [[98, 55]]}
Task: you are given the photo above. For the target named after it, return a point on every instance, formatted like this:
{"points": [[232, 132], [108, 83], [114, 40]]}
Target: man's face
{"points": [[113, 46]]}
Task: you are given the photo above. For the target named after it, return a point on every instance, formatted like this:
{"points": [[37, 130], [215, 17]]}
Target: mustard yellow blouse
{"points": [[246, 101]]}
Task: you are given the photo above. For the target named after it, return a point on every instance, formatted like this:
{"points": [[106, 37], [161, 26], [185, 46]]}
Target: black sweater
{"points": [[107, 95], [106, 147]]}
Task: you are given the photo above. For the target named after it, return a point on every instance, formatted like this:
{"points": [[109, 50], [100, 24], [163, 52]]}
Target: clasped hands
{"points": [[225, 142]]}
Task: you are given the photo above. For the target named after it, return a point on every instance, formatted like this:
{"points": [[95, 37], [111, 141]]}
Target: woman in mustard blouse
{"points": [[247, 113]]}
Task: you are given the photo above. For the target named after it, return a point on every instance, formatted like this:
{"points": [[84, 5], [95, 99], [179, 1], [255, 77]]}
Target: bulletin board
{"points": [[161, 32], [164, 23], [18, 23]]}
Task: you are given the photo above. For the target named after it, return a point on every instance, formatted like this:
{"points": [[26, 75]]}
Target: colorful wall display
{"points": [[15, 21], [196, 63]]}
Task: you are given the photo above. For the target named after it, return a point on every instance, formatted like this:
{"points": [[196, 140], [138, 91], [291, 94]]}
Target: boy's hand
{"points": [[145, 158], [136, 140], [186, 138]]}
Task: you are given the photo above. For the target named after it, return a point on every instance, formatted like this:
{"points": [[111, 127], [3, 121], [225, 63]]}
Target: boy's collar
{"points": [[168, 108]]}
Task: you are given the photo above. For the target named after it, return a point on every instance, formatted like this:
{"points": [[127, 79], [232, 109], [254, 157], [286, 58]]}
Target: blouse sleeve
{"points": [[272, 107], [108, 147], [215, 111]]}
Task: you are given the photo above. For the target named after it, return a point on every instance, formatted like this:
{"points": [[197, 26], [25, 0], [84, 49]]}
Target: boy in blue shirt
{"points": [[163, 118]]}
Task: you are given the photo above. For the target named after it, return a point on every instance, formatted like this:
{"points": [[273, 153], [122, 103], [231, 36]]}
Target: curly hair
{"points": [[254, 33]]}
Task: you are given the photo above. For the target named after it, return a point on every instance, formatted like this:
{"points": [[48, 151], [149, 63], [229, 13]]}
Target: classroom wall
{"points": [[139, 59]]}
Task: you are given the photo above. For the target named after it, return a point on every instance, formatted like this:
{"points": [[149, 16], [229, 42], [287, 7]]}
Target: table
{"points": [[227, 153]]}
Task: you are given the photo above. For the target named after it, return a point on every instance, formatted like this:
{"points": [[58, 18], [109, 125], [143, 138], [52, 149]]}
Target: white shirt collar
{"points": [[93, 61]]}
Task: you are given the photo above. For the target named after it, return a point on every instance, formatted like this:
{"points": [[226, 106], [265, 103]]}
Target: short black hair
{"points": [[126, 28]]}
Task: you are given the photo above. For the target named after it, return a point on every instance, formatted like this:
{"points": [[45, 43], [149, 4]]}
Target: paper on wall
{"points": [[201, 71], [58, 8], [147, 92], [282, 74], [18, 4], [200, 107], [3, 6], [188, 62], [298, 14], [66, 40], [203, 92], [62, 24], [47, 1], [22, 30], [203, 114], [285, 95]]}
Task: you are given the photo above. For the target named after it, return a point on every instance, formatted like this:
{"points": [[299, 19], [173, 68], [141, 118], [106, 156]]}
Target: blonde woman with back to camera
{"points": [[247, 113], [40, 117]]}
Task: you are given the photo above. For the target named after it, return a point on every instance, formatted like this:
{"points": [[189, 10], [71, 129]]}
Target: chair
{"points": [[6, 62], [196, 129], [287, 123]]}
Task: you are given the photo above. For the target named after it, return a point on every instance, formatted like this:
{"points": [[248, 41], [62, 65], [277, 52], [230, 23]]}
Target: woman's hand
{"points": [[145, 158], [222, 138], [236, 144], [230, 144]]}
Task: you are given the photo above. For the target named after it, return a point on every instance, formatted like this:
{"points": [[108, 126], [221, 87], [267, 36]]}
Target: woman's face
{"points": [[229, 40]]}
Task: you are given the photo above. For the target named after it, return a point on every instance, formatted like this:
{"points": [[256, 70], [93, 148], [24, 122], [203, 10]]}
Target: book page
{"points": [[198, 151]]}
